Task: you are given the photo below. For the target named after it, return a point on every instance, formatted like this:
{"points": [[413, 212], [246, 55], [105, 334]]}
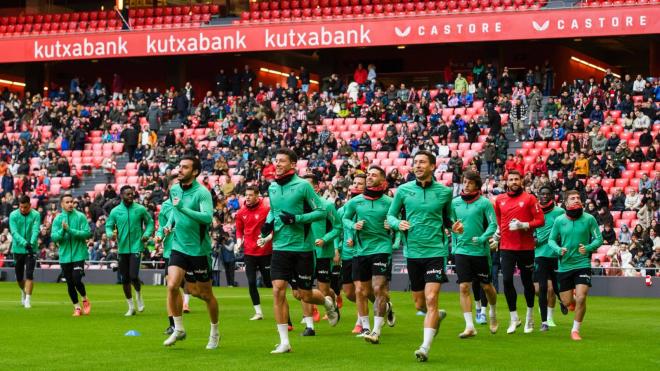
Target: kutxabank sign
{"points": [[544, 24]]}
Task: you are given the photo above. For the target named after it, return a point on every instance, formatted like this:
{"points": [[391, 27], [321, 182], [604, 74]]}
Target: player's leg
{"points": [[170, 328], [78, 274], [335, 282], [124, 271], [541, 276], [30, 264], [508, 262], [205, 292], [553, 293], [363, 289], [581, 291], [466, 280], [134, 274], [323, 271], [525, 263], [251, 274], [304, 270], [67, 272], [282, 267], [19, 271], [434, 276], [176, 273], [379, 269]]}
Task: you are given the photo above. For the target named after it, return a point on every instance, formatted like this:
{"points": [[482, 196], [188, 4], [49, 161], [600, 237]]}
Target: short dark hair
{"points": [[428, 154], [545, 187], [252, 188], [65, 195], [312, 177], [125, 187], [293, 157], [379, 169], [474, 177], [24, 199], [197, 165], [514, 172]]}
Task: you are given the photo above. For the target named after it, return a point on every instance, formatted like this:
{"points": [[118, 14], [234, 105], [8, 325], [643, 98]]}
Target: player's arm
{"points": [[315, 202], [110, 224], [57, 232], [205, 213], [395, 211], [149, 223], [397, 240], [34, 238], [336, 225], [491, 219], [447, 212], [555, 239], [14, 229], [162, 223], [82, 232], [538, 218], [348, 220], [596, 236]]}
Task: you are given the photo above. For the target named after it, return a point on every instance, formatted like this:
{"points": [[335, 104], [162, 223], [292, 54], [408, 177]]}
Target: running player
{"points": [[545, 260], [372, 265], [192, 215], [322, 235], [24, 228], [424, 206], [249, 220], [293, 205], [345, 246], [518, 214], [130, 224], [575, 236], [475, 224], [164, 237], [70, 230]]}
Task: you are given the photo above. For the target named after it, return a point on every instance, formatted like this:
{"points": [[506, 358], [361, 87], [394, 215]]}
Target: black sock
{"points": [[289, 321], [171, 321]]}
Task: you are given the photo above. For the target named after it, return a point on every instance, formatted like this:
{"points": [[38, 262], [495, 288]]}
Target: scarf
{"points": [[575, 211], [354, 192], [374, 193], [516, 193], [470, 197], [547, 207], [285, 178]]}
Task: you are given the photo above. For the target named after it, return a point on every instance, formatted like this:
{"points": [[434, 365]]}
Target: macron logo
{"points": [[404, 33], [541, 27]]}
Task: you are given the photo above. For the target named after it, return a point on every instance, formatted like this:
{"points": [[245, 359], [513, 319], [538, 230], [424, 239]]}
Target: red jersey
{"points": [[248, 227], [526, 209]]}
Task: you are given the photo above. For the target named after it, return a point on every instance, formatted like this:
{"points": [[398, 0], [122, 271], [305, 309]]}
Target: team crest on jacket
{"points": [[521, 204]]}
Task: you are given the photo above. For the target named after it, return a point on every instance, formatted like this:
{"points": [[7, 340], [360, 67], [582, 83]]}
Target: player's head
{"points": [[67, 202], [285, 161], [472, 182], [424, 165], [313, 181], [251, 195], [514, 181], [573, 200], [359, 183], [127, 195], [189, 169], [24, 205], [375, 176], [546, 195]]}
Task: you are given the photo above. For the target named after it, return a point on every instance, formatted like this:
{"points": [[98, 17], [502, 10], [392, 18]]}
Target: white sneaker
{"points": [[213, 342], [279, 349], [513, 326], [302, 321], [372, 338], [176, 336], [140, 303], [257, 317], [529, 326], [422, 354], [27, 304], [331, 311], [131, 312]]}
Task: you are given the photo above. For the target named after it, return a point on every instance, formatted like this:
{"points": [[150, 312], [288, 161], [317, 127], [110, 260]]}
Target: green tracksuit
{"points": [[427, 209], [543, 250], [133, 223], [326, 229], [24, 229], [570, 234], [191, 219], [478, 218], [373, 238], [298, 198], [347, 252], [73, 241], [163, 216]]}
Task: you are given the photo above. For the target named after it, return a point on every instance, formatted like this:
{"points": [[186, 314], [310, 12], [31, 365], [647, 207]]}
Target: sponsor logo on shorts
{"points": [[482, 275], [321, 272], [434, 271], [267, 267], [380, 264], [304, 277], [201, 271]]}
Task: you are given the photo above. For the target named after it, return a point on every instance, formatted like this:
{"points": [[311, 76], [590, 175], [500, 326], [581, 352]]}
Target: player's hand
{"points": [[167, 231], [404, 225], [349, 243], [494, 243], [359, 225], [65, 226], [582, 249], [145, 239], [563, 251], [176, 201], [239, 244], [262, 241], [114, 236], [337, 259], [287, 218], [457, 227], [158, 239], [319, 242], [387, 225]]}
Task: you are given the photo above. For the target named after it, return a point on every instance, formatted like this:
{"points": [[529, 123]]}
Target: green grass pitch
{"points": [[619, 334]]}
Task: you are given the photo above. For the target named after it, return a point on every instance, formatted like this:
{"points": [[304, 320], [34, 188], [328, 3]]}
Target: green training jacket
{"points": [[73, 241], [570, 234], [478, 218], [132, 224], [24, 229]]}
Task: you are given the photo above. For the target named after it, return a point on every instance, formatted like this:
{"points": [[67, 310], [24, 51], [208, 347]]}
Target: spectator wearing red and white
{"points": [[360, 75]]}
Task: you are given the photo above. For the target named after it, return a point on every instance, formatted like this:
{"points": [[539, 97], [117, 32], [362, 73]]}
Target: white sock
{"points": [[429, 333], [309, 322], [492, 311], [138, 295], [378, 324], [257, 309], [77, 305], [550, 313], [27, 298], [364, 320], [214, 329], [358, 321], [178, 323], [283, 329], [186, 299], [530, 314], [514, 316], [469, 324], [576, 326], [130, 303]]}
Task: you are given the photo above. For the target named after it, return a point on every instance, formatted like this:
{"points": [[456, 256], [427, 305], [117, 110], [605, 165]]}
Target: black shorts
{"points": [[424, 270], [367, 266], [473, 268], [198, 268], [167, 264], [24, 266], [322, 269], [347, 271], [257, 262], [297, 268], [568, 280], [545, 267], [69, 268], [129, 267]]}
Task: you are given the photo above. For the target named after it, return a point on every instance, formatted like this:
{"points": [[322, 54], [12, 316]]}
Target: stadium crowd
{"points": [[248, 121]]}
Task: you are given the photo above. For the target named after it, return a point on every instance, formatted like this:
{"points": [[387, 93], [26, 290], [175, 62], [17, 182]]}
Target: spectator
{"points": [[633, 201]]}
